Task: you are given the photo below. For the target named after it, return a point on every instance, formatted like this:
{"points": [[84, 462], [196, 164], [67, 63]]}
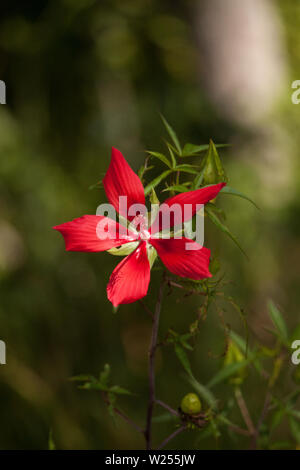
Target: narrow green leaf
{"points": [[94, 386], [277, 418], [174, 163], [191, 149], [227, 372], [234, 192], [182, 356], [278, 320], [198, 180], [51, 443], [161, 157], [97, 185], [172, 134], [295, 429], [163, 418], [214, 218], [180, 188], [119, 390], [187, 169], [143, 170], [240, 342], [104, 375], [204, 392], [83, 378], [156, 181], [153, 197]]}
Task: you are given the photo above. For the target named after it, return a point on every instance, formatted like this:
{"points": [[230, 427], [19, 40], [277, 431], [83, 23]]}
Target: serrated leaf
{"points": [[156, 181], [228, 190], [172, 134], [214, 218], [161, 157], [278, 321]]}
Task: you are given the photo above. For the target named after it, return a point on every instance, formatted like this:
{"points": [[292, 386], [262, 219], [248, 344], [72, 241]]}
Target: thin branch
{"points": [[147, 310], [123, 415], [128, 420], [152, 351], [263, 414], [171, 436], [167, 407], [189, 291], [244, 410], [239, 430]]}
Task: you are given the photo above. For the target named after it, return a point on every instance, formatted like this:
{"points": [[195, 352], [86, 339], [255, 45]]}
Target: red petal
{"points": [[120, 180], [199, 196], [193, 264], [94, 233], [130, 279]]}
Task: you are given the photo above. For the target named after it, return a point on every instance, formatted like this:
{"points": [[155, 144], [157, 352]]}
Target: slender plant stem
{"points": [[167, 407], [147, 310], [239, 430], [171, 436], [152, 351], [123, 415], [244, 410], [261, 418]]}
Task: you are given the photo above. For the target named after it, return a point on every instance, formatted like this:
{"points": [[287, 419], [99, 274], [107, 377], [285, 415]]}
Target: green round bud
{"points": [[190, 404]]}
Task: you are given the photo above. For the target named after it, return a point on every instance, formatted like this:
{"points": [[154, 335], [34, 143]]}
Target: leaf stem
{"points": [[122, 415], [244, 410], [167, 407], [171, 436]]}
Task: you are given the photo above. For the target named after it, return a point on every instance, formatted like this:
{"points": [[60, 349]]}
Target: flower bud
{"points": [[191, 404], [234, 355]]}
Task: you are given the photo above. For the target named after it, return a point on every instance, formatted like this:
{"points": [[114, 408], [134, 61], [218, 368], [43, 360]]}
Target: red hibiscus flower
{"points": [[130, 279]]}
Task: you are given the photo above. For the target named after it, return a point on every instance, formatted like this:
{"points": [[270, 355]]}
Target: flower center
{"points": [[144, 235], [140, 226]]}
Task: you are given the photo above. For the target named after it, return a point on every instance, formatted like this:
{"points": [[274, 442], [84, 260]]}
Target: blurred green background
{"points": [[87, 75]]}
